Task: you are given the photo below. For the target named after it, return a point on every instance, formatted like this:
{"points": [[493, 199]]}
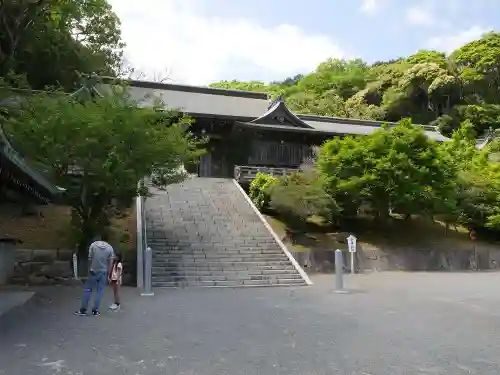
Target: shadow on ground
{"points": [[396, 323]]}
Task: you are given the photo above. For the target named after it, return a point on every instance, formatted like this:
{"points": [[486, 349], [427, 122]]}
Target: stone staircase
{"points": [[204, 232]]}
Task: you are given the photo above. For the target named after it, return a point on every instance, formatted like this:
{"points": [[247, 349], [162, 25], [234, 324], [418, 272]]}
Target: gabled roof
{"points": [[279, 114]]}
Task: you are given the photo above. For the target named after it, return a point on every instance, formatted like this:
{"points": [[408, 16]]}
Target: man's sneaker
{"points": [[95, 313], [114, 307], [81, 312]]}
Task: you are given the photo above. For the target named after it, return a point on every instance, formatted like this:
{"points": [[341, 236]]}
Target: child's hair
{"points": [[118, 258]]}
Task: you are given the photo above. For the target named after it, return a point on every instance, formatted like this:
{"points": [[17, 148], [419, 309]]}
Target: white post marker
{"points": [[75, 266], [351, 243]]}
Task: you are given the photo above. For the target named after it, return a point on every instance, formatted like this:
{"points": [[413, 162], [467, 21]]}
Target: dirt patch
{"points": [[48, 228]]}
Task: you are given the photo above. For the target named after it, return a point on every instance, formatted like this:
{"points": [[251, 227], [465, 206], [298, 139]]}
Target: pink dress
{"points": [[116, 273]]}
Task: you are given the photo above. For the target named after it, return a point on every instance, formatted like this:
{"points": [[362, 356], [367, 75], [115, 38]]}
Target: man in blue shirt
{"points": [[101, 256]]}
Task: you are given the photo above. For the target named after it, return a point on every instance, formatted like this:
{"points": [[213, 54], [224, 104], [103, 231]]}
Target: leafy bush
{"points": [[259, 190], [398, 167], [299, 196]]}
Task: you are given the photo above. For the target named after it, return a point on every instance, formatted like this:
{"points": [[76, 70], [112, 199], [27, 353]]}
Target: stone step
{"points": [[159, 255], [192, 270], [223, 244], [217, 264], [226, 277], [220, 259], [221, 272], [203, 232], [214, 253], [229, 284]]}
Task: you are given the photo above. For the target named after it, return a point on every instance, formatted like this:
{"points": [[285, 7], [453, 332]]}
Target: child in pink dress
{"points": [[115, 279]]}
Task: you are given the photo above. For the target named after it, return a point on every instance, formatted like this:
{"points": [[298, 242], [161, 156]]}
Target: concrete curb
{"points": [[280, 243]]}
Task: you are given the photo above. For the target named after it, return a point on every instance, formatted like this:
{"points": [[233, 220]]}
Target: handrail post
{"points": [[148, 263], [140, 241]]}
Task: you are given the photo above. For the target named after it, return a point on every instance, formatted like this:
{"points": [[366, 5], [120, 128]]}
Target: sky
{"points": [[198, 42]]}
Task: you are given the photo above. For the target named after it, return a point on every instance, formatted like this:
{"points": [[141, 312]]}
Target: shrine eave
{"points": [[45, 190], [279, 128], [328, 129]]}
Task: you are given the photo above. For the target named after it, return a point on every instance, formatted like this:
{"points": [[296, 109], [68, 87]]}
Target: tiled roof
{"points": [[199, 100], [346, 127], [246, 107]]}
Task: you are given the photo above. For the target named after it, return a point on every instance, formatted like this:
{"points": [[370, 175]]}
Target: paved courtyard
{"points": [[392, 323]]}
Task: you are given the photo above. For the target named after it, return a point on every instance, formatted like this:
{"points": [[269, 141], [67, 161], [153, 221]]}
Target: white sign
{"points": [[351, 243]]}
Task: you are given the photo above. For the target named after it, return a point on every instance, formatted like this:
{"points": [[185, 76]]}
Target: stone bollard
{"points": [[339, 271]]}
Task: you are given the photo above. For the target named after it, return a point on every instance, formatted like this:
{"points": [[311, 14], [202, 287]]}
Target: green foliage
{"points": [[98, 150], [478, 64], [299, 196], [429, 87], [396, 168], [259, 190], [54, 42], [424, 56]]}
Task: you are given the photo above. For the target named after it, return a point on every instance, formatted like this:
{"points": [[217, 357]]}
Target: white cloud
{"points": [[448, 43], [370, 6], [169, 35], [420, 16]]}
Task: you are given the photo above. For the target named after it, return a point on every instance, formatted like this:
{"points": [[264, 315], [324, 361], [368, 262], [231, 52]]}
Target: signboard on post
{"points": [[351, 243]]}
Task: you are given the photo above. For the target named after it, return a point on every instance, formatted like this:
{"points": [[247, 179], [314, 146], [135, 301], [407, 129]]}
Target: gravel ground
{"points": [[389, 323]]}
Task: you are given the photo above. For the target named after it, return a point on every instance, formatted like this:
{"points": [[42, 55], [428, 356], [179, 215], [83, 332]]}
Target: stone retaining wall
{"points": [[407, 259], [42, 267]]}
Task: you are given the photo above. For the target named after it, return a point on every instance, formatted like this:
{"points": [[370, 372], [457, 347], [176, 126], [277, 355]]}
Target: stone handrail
{"points": [[247, 173]]}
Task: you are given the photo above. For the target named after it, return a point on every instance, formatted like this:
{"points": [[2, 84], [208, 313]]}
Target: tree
{"points": [[479, 67], [99, 150], [395, 168], [15, 18], [54, 42], [477, 181], [425, 56], [343, 77]]}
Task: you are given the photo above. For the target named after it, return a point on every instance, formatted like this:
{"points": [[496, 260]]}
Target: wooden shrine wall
{"points": [[275, 153]]}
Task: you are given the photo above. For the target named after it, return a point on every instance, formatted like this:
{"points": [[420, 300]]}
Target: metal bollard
{"points": [[339, 270], [148, 264]]}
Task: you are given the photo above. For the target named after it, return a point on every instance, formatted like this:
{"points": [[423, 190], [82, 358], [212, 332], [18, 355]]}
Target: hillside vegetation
{"points": [[429, 87]]}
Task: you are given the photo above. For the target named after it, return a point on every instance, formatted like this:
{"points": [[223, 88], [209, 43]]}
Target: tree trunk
{"points": [[87, 233]]}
